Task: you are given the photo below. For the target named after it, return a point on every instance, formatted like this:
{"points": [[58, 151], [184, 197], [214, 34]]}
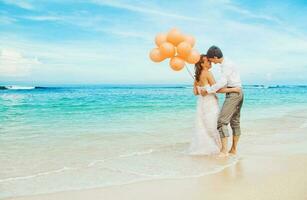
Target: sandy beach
{"points": [[266, 170], [254, 178]]}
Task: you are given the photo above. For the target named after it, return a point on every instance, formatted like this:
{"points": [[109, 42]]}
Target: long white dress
{"points": [[206, 139]]}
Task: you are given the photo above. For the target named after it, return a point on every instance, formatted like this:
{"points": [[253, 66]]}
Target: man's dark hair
{"points": [[214, 51]]}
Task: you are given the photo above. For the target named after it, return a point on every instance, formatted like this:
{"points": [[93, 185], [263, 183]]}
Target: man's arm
{"points": [[212, 81], [218, 85]]}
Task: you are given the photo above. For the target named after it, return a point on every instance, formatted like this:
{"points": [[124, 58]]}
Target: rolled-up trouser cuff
{"points": [[223, 130], [236, 131]]}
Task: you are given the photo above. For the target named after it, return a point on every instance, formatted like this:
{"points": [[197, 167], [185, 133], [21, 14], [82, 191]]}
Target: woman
{"points": [[206, 140]]}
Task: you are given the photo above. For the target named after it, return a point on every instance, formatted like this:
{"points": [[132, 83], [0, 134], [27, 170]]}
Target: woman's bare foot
{"points": [[233, 151], [223, 154]]}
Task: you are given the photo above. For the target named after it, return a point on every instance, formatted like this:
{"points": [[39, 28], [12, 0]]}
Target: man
{"points": [[230, 112]]}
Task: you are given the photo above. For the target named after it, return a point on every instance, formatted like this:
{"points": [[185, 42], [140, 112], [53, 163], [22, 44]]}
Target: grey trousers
{"points": [[230, 113]]}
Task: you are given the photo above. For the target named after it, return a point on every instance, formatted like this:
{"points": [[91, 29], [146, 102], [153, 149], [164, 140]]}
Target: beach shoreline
{"points": [[253, 177]]}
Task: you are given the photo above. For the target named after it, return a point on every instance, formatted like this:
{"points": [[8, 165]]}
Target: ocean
{"points": [[67, 138]]}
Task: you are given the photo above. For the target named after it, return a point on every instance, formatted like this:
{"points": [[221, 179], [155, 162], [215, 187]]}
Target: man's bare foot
{"points": [[223, 154], [233, 151]]}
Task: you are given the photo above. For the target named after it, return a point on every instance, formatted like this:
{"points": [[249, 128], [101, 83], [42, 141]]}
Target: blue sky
{"points": [[101, 41]]}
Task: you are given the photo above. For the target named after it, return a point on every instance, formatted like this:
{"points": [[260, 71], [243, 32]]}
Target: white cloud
{"points": [[44, 18], [144, 9], [20, 3], [13, 63], [94, 23], [249, 14], [6, 20]]}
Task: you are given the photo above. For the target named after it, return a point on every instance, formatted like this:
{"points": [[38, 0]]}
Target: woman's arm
{"points": [[229, 90], [195, 88], [212, 81]]}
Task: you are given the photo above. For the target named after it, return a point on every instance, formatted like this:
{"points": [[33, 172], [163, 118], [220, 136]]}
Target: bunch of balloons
{"points": [[176, 46]]}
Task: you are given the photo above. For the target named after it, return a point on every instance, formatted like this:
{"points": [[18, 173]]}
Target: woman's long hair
{"points": [[198, 67]]}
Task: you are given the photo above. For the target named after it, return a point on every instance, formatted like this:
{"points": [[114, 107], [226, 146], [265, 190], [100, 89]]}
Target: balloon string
{"points": [[189, 71]]}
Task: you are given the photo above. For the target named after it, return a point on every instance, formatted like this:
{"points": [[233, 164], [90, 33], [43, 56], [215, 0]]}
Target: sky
{"points": [[101, 41]]}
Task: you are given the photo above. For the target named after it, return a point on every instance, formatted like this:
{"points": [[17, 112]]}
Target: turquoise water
{"points": [[113, 134]]}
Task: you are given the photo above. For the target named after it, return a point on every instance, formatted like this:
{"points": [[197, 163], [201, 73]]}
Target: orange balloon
{"points": [[160, 39], [167, 50], [193, 57], [190, 39], [184, 49], [155, 55], [174, 36], [176, 63]]}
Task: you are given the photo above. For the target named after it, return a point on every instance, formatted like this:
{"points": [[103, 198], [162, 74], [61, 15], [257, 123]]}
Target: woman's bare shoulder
{"points": [[203, 79], [205, 73], [210, 74]]}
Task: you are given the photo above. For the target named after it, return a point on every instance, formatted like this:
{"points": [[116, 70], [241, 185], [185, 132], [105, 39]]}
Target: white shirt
{"points": [[230, 77]]}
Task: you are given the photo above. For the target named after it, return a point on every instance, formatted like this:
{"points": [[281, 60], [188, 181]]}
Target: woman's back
{"points": [[203, 79]]}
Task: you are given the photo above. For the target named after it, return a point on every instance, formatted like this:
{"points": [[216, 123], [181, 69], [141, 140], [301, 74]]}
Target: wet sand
{"points": [[253, 177]]}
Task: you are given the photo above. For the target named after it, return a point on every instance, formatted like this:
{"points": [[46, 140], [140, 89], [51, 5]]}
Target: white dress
{"points": [[206, 139]]}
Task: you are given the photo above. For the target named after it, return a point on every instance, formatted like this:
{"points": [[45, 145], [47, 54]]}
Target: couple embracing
{"points": [[211, 134]]}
